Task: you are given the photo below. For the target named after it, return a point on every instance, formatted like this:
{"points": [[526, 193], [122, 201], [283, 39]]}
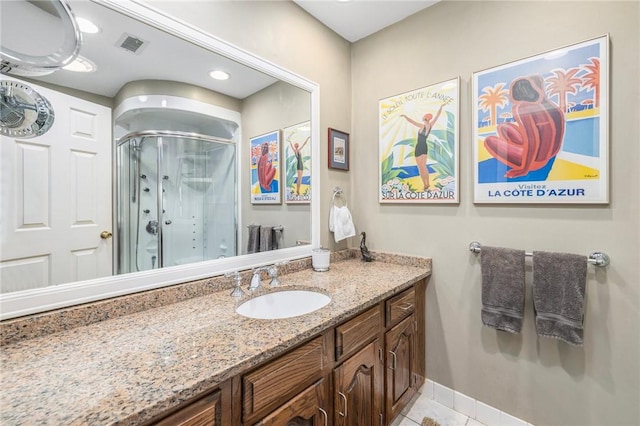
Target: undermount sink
{"points": [[283, 304]]}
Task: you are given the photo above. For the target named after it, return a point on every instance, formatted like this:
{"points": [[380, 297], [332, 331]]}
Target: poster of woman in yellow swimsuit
{"points": [[418, 145]]}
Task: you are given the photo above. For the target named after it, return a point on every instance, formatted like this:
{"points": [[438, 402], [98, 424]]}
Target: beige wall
{"points": [[540, 380], [275, 107], [283, 33]]}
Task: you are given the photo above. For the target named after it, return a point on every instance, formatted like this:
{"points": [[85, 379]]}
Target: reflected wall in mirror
{"points": [[146, 164]]}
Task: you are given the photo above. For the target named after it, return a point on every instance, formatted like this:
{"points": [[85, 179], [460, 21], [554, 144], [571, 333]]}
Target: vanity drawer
{"points": [[358, 331], [269, 386], [400, 306]]}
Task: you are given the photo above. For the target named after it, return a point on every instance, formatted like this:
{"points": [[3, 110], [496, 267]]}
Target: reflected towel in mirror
{"points": [[266, 238], [253, 245]]}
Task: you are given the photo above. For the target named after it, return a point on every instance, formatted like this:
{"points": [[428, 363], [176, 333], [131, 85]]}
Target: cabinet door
{"points": [[401, 380], [359, 388], [308, 408], [205, 411]]}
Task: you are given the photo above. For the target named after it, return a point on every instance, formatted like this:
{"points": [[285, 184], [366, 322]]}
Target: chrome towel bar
{"points": [[596, 258]]}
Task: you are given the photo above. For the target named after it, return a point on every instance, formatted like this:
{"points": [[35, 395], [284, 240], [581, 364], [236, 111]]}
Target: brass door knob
{"points": [[105, 235]]}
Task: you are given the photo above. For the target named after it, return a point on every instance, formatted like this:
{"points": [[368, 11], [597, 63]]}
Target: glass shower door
{"points": [[177, 202]]}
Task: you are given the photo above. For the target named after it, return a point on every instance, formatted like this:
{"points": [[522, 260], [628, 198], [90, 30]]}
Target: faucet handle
{"points": [[237, 292], [273, 273]]}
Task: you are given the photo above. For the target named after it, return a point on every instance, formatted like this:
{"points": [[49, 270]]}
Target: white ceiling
{"points": [[164, 57], [357, 19]]}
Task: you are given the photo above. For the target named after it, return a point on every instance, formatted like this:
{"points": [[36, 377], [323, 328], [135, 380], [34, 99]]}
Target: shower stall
{"points": [[176, 201]]}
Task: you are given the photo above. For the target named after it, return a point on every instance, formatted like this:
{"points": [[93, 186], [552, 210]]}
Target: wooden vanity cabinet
{"points": [[308, 408], [214, 409], [401, 378], [284, 379], [359, 388], [361, 372], [404, 349]]}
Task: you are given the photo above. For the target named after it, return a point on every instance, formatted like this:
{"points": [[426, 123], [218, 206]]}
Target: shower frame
{"points": [[158, 134]]}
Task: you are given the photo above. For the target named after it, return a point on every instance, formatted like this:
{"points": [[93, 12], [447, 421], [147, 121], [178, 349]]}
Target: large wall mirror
{"points": [[126, 166]]}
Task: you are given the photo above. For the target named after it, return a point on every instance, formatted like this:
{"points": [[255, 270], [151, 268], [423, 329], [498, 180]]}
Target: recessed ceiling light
{"points": [[81, 64], [219, 75], [86, 26]]}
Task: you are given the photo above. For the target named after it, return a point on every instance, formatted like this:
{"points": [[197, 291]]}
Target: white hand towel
{"points": [[332, 218], [342, 224]]}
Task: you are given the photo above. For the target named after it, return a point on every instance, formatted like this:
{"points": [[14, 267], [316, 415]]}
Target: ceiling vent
{"points": [[132, 43]]}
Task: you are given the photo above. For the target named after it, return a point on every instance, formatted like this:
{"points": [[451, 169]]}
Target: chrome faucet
{"points": [[256, 279]]}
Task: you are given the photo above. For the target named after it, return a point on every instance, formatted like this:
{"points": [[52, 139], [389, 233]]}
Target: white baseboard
{"points": [[470, 407]]}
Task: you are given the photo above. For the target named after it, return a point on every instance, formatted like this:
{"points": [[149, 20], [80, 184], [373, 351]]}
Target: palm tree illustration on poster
{"points": [[540, 127], [418, 145]]}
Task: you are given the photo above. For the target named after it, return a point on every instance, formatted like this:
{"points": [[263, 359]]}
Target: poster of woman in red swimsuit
{"points": [[418, 145], [540, 128], [265, 168]]}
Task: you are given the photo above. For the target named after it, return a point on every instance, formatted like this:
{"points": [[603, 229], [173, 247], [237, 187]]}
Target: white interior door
{"points": [[56, 198]]}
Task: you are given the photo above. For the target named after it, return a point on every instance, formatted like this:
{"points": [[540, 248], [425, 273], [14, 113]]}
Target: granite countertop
{"points": [[132, 368]]}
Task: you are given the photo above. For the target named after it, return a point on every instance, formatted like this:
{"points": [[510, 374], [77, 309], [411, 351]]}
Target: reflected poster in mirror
{"points": [[265, 168], [297, 154]]}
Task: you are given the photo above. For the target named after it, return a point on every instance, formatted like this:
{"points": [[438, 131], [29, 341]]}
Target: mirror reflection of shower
{"points": [[176, 189]]}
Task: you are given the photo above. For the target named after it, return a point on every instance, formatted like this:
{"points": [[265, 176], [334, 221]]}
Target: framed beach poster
{"points": [[265, 168], [297, 155], [418, 145], [540, 127]]}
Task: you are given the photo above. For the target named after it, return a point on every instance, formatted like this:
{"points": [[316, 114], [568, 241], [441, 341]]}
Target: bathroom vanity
{"points": [[357, 361]]}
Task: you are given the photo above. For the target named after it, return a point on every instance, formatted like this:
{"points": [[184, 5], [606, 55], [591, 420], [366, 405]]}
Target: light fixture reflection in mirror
{"points": [[25, 51], [108, 87]]}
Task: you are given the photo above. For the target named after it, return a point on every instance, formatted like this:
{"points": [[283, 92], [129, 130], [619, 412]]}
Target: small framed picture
{"points": [[338, 150]]}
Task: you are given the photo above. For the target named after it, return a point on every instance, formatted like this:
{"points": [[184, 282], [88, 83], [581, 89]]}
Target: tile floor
{"points": [[423, 406]]}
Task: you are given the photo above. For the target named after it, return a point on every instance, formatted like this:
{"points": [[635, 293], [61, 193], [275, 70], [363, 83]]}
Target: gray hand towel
{"points": [[503, 288], [266, 238], [253, 244], [559, 281]]}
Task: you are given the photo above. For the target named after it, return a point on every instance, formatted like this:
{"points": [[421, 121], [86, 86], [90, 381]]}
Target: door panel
{"points": [[56, 198], [359, 388], [400, 347]]}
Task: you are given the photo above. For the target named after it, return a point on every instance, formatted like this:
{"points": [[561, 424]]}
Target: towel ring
{"points": [[337, 192]]}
